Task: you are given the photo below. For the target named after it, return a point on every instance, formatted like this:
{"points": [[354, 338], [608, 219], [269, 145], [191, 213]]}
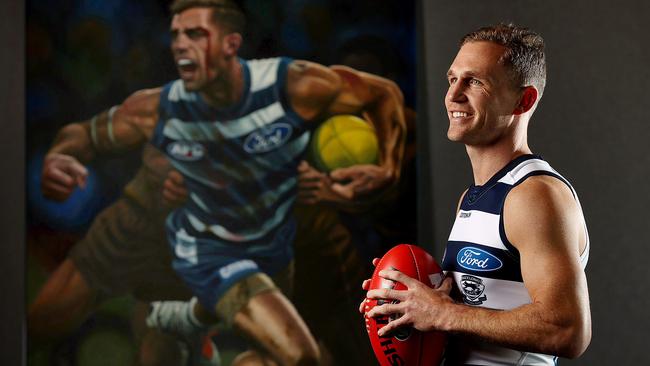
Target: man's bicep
{"points": [[311, 88], [128, 124], [542, 221]]}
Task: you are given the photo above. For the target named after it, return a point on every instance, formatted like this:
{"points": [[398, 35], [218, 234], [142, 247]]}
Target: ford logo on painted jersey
{"points": [[186, 150], [476, 259], [268, 138]]}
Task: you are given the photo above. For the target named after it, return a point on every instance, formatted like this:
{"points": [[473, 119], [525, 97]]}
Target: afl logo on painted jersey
{"points": [[186, 150], [268, 138], [476, 259]]}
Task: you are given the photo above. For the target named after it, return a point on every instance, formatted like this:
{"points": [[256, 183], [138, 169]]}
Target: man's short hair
{"points": [[524, 54], [225, 13]]}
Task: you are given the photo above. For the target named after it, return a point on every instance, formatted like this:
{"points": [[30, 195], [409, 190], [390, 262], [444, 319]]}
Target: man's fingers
{"points": [[362, 306], [391, 326], [446, 285], [366, 284], [59, 177], [398, 276], [342, 174], [74, 168], [345, 191], [55, 191], [176, 177], [385, 309], [387, 294], [174, 187], [81, 180]]}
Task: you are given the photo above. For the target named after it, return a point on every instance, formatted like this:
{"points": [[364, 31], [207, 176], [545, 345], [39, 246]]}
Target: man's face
{"points": [[481, 98], [196, 46]]}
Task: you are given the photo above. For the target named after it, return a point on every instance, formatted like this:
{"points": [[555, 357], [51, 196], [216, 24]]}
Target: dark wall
{"points": [[12, 217], [591, 125]]}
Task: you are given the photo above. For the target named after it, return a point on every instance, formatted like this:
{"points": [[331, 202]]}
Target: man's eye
{"points": [[194, 34], [451, 80], [475, 82]]}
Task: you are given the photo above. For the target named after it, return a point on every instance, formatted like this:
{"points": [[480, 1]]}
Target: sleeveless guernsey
{"points": [[485, 265]]}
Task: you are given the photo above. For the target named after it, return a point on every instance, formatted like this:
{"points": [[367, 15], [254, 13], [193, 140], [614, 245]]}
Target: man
{"points": [[517, 251], [236, 130]]}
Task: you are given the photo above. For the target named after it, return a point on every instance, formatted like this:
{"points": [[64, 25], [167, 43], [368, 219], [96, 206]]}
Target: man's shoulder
{"points": [[540, 187], [142, 102], [539, 199]]}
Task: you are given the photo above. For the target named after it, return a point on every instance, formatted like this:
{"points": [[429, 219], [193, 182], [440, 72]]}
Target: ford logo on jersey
{"points": [[267, 138], [476, 259], [186, 150]]}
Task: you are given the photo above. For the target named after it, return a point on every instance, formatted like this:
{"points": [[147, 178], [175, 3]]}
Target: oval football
{"points": [[405, 346]]}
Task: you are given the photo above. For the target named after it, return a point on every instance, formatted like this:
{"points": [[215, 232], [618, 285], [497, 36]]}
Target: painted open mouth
{"points": [[186, 65]]}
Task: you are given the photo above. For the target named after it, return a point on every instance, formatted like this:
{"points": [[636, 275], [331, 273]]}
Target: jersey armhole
{"points": [[281, 90], [157, 138]]}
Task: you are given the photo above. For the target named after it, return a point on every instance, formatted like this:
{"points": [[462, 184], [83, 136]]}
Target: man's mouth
{"points": [[457, 114], [186, 65]]}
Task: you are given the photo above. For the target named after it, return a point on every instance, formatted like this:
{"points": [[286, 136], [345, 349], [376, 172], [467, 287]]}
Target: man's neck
{"points": [[488, 160], [227, 88]]}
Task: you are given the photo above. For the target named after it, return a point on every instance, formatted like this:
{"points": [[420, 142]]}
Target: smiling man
{"points": [[518, 248], [237, 130]]}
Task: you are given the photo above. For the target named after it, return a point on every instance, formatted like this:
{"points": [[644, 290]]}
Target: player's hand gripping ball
{"points": [[342, 141], [405, 346]]}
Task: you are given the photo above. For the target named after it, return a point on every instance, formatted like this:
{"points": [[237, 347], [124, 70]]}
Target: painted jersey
{"points": [[239, 163], [485, 265]]}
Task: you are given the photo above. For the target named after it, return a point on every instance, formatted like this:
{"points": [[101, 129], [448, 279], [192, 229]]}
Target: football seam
{"points": [[337, 136], [417, 268]]}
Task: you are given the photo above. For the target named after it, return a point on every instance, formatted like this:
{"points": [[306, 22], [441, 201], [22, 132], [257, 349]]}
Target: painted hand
{"points": [[61, 174], [174, 191]]}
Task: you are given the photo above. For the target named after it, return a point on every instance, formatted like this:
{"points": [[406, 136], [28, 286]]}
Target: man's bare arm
{"points": [[544, 222], [116, 129], [317, 92]]}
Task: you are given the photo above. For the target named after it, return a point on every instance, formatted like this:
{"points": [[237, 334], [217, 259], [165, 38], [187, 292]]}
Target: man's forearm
{"points": [[74, 140], [526, 328], [390, 126]]}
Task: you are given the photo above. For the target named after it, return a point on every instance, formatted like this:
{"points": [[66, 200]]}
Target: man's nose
{"points": [[456, 92], [179, 43]]}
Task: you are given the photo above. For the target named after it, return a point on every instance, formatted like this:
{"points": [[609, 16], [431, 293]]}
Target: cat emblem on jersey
{"points": [[267, 138], [472, 288]]}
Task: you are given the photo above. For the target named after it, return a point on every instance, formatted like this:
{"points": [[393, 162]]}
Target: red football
{"points": [[405, 346]]}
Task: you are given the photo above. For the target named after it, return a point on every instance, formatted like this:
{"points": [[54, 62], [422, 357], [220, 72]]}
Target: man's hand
{"points": [[174, 191], [343, 187], [359, 180], [366, 286], [420, 307], [61, 174]]}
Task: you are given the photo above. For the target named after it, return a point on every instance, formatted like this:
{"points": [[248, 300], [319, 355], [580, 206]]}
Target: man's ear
{"points": [[527, 100], [231, 44]]}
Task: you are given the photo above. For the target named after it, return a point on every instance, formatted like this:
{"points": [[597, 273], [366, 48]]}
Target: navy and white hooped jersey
{"points": [[485, 265], [239, 163]]}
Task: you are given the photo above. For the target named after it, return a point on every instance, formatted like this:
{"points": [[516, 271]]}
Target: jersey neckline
{"points": [[475, 191], [224, 113]]}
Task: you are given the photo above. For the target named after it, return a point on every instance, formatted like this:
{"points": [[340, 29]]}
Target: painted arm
{"points": [[545, 223], [318, 92], [122, 127]]}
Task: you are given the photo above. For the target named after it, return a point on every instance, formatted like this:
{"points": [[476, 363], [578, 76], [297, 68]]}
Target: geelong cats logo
{"points": [[472, 288], [267, 138]]}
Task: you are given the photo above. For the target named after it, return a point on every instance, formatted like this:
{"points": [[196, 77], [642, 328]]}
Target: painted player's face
{"points": [[481, 97], [197, 47]]}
